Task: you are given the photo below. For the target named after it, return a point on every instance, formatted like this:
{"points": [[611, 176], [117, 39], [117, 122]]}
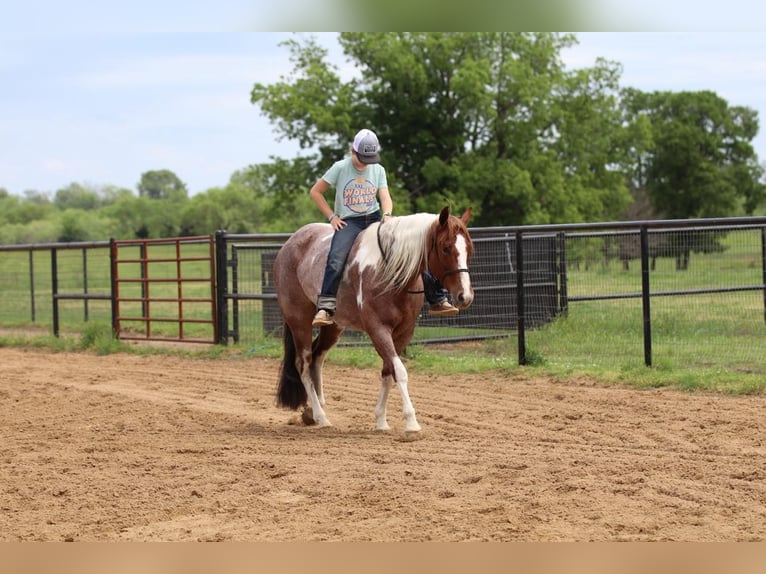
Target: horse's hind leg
{"points": [[304, 364], [326, 339]]}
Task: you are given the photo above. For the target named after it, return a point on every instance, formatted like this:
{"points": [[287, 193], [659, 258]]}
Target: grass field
{"points": [[702, 339]]}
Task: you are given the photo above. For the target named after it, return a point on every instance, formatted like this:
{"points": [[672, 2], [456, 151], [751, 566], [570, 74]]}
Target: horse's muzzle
{"points": [[464, 296], [463, 299]]}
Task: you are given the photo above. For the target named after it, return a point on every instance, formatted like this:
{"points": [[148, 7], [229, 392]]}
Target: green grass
{"points": [[705, 342], [496, 357], [18, 277]]}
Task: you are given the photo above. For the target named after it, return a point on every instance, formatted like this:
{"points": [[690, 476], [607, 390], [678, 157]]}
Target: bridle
{"points": [[430, 251], [449, 271]]}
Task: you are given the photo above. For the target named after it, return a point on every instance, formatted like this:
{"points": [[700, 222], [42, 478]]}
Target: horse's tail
{"points": [[291, 394]]}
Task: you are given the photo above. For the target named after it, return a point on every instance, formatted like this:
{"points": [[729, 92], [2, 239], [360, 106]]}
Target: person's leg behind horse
{"points": [[436, 295]]}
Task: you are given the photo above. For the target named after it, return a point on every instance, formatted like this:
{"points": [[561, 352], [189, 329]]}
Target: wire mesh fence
{"points": [[683, 293], [706, 304], [30, 275]]}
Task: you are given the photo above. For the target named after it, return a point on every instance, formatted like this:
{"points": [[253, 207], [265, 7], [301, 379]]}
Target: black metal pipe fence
{"points": [[567, 292], [538, 282]]}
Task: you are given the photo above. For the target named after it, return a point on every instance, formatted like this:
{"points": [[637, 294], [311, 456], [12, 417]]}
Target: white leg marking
{"points": [[316, 407], [316, 370], [381, 423], [408, 411]]}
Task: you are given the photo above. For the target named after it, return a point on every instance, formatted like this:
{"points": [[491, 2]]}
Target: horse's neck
{"points": [[402, 243]]}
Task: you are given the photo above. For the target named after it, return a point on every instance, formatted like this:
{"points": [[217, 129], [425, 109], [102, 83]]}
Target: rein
{"points": [[380, 243]]}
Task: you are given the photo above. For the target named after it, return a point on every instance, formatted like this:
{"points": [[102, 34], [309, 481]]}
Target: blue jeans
{"points": [[434, 291], [342, 241], [340, 247]]}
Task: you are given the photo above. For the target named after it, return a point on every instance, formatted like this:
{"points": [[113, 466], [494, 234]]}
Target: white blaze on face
{"points": [[461, 245]]}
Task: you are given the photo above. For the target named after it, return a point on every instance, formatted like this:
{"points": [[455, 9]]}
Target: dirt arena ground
{"points": [[164, 448]]}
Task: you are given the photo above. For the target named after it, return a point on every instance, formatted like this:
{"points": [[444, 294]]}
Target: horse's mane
{"points": [[403, 242]]}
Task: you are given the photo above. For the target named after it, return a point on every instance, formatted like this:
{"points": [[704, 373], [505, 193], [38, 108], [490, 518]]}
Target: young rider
{"points": [[361, 190]]}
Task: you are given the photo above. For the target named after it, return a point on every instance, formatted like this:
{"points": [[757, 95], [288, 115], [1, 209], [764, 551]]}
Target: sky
{"points": [[100, 105]]}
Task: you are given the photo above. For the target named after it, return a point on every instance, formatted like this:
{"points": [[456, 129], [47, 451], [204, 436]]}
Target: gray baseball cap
{"points": [[366, 146]]}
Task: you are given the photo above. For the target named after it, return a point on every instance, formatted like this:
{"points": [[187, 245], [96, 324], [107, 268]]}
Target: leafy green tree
{"points": [[33, 206], [488, 119], [110, 194], [283, 186], [82, 225], [142, 218], [8, 204], [162, 184], [230, 208], [701, 162], [36, 231], [77, 196], [692, 157]]}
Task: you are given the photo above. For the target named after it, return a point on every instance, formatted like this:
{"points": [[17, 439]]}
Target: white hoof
{"points": [[412, 427], [324, 423]]}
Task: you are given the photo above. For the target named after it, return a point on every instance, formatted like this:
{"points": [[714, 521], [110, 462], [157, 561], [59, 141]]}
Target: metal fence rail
{"points": [[534, 282], [54, 283], [682, 292], [165, 289]]}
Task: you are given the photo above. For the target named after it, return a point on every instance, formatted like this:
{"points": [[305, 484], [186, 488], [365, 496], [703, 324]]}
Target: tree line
{"points": [[493, 120]]}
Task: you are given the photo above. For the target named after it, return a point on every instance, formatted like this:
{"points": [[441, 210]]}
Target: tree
{"points": [[283, 186], [162, 184], [489, 119], [82, 225], [700, 162], [692, 158], [142, 218], [230, 208], [33, 206], [77, 196]]}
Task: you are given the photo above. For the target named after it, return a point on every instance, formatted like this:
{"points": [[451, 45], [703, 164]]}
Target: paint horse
{"points": [[381, 294]]}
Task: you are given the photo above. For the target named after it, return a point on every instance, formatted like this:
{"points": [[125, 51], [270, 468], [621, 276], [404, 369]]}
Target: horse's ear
{"points": [[444, 215], [466, 215]]}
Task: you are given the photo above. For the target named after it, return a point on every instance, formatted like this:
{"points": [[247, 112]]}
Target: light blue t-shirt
{"points": [[356, 192]]}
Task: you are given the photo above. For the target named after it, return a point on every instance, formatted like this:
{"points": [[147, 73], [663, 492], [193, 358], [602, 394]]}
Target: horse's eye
{"points": [[447, 249]]}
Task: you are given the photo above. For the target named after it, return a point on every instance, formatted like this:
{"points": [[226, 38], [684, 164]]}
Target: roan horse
{"points": [[381, 294]]}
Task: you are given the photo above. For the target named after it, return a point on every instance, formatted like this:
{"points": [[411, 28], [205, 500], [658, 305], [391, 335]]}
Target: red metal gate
{"points": [[165, 289]]}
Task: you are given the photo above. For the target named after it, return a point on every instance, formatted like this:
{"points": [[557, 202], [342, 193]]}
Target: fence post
{"points": [[221, 287], [85, 284], [520, 298], [562, 273], [763, 268], [645, 296], [55, 290], [114, 287], [32, 284]]}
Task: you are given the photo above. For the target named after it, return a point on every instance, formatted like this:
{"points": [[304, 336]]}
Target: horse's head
{"points": [[448, 254]]}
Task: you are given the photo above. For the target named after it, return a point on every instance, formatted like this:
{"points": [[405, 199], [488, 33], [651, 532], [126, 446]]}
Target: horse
{"points": [[381, 294]]}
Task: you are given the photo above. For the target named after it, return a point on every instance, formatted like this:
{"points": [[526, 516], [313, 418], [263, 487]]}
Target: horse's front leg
{"points": [[408, 411], [394, 369], [381, 423]]}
